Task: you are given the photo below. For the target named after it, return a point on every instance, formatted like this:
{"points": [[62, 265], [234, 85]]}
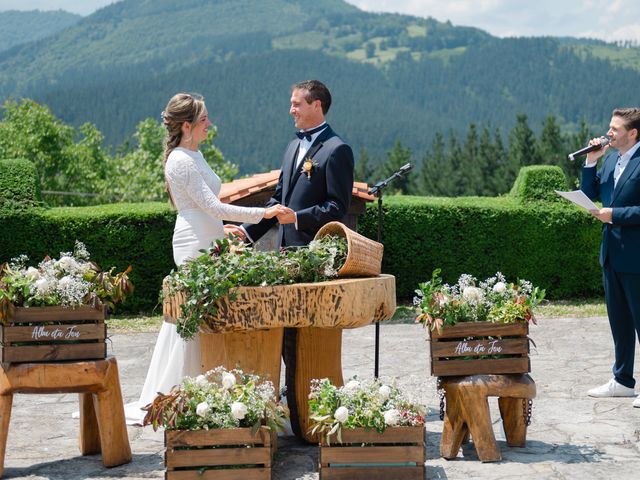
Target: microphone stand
{"points": [[377, 191]]}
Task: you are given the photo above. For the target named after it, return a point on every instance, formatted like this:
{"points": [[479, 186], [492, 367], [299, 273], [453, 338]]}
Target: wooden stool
{"points": [[467, 412], [102, 423]]}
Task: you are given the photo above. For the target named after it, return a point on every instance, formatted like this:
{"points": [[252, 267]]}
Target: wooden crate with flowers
{"points": [[478, 329], [56, 311], [219, 426], [367, 430]]}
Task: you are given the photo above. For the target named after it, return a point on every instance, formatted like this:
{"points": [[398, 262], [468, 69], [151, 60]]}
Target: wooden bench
{"points": [[467, 412], [102, 423]]}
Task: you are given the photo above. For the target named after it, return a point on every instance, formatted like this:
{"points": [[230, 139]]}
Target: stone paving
{"points": [[571, 436]]}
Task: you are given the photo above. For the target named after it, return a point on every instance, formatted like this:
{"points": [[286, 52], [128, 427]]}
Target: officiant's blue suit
{"points": [[620, 255]]}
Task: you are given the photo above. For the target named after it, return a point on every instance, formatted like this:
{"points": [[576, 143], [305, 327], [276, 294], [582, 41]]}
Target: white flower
{"points": [[341, 414], [351, 387], [44, 286], [443, 300], [32, 273], [65, 282], [67, 264], [228, 380], [201, 381], [238, 410], [384, 392], [202, 409], [500, 287], [392, 417], [472, 295]]}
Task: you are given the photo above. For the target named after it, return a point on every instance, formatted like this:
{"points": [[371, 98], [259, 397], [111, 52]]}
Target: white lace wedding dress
{"points": [[194, 188]]}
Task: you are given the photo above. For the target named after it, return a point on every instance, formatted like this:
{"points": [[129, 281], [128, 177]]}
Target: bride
{"points": [[193, 188]]}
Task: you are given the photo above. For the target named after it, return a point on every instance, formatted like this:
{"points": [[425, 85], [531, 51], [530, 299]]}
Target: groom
{"points": [[315, 182]]}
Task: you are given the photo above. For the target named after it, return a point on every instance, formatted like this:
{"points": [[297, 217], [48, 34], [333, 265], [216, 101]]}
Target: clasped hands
{"points": [[284, 214]]}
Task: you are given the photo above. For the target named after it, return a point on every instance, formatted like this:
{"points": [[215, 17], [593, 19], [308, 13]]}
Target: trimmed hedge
{"points": [[115, 235], [19, 184], [555, 246], [538, 182]]}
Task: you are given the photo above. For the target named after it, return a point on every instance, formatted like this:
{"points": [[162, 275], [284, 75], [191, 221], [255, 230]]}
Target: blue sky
{"points": [[609, 20]]}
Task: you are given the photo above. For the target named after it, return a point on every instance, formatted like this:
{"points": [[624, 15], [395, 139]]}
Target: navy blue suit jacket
{"points": [[621, 239], [319, 199]]}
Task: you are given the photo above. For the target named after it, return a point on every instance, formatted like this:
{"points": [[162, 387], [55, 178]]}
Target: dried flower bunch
{"points": [[70, 281], [230, 264], [218, 399], [492, 300], [360, 404]]}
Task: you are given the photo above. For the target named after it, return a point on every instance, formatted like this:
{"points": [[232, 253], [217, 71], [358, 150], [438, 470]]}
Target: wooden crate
{"points": [[221, 454], [46, 334], [459, 349], [397, 453]]}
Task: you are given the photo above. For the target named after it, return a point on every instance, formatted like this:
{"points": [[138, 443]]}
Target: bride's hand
{"points": [[234, 230]]}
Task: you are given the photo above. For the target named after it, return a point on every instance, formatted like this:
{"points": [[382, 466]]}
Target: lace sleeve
{"points": [[186, 178]]}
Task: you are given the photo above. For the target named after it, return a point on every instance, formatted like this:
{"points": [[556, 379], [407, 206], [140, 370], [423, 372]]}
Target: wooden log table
{"points": [[250, 330]]}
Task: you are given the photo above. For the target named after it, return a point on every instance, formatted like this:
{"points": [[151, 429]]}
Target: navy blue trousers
{"points": [[622, 295]]}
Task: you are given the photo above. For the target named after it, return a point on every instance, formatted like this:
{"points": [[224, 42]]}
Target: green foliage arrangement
{"points": [[229, 264], [70, 281], [218, 399], [360, 404], [492, 300]]}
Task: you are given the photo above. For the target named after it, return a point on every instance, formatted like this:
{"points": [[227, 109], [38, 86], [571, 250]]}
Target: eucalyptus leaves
{"points": [[229, 264]]}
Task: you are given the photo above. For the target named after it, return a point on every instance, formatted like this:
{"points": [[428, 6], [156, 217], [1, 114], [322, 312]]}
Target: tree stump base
{"points": [[102, 424], [467, 413]]}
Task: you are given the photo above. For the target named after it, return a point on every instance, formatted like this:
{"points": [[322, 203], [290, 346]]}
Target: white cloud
{"points": [[606, 19]]}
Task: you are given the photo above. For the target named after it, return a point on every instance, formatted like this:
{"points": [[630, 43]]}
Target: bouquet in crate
{"points": [[73, 280], [371, 405], [492, 300], [221, 425], [218, 399]]}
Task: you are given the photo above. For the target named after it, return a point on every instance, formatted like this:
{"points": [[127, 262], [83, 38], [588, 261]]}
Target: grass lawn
{"points": [[404, 314]]}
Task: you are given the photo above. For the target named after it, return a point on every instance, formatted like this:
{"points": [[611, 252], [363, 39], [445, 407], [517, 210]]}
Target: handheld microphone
{"points": [[590, 148]]}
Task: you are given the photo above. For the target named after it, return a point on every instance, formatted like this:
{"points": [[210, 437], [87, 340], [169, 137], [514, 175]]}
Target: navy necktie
{"points": [[308, 134]]}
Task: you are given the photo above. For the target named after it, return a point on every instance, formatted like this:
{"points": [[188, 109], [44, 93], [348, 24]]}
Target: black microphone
{"points": [[590, 148]]}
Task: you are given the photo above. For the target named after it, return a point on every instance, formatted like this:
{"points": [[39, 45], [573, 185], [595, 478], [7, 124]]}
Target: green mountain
{"points": [[392, 76], [19, 27]]}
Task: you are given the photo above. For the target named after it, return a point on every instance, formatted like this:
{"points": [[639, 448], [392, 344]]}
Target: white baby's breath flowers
{"points": [[202, 409], [391, 417], [352, 386], [228, 380], [201, 381], [238, 410], [341, 414]]}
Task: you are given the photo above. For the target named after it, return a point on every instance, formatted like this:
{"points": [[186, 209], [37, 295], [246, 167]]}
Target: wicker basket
{"points": [[364, 256]]}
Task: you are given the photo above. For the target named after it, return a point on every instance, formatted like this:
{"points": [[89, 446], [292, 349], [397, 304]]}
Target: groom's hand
{"points": [[286, 216]]}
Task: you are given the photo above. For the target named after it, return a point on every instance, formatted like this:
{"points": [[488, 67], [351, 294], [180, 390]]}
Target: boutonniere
{"points": [[308, 166]]}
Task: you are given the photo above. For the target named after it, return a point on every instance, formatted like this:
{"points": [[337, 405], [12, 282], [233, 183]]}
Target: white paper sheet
{"points": [[579, 198]]}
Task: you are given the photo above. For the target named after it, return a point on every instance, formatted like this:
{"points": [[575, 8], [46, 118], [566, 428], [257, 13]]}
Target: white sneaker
{"points": [[636, 402], [612, 389]]}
